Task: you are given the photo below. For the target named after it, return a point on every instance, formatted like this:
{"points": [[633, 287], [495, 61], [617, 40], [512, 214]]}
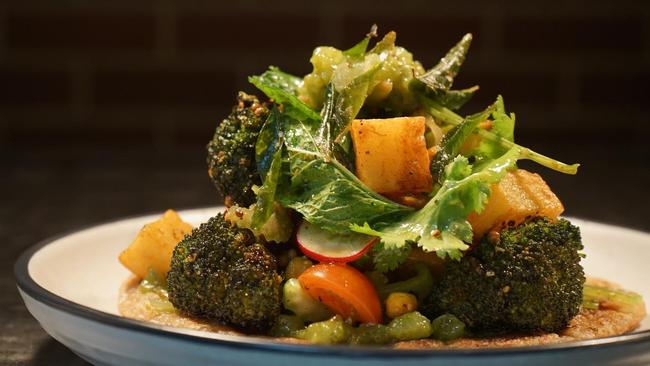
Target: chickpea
{"points": [[296, 266], [400, 303]]}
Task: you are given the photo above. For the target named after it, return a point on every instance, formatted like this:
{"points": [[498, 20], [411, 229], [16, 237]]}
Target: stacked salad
{"points": [[306, 158], [362, 207]]}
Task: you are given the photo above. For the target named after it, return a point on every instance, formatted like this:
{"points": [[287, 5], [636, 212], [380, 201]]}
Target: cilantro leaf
{"points": [[503, 126], [388, 259], [443, 114], [441, 225], [453, 141]]}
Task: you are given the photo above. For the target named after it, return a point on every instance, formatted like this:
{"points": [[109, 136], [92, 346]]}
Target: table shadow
{"points": [[53, 353]]}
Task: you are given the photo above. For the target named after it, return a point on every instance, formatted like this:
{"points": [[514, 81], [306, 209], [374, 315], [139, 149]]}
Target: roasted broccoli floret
{"points": [[528, 278], [231, 153], [220, 273]]}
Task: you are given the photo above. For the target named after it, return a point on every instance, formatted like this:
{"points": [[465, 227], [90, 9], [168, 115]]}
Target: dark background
{"points": [[106, 106]]}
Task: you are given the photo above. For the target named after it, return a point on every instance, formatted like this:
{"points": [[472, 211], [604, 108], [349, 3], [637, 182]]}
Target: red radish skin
{"points": [[325, 247]]}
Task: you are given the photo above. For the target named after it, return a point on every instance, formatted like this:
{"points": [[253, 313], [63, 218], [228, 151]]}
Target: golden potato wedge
{"points": [[154, 245], [391, 154], [547, 202], [518, 196]]}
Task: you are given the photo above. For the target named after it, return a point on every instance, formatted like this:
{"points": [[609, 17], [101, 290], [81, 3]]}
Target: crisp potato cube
{"points": [[154, 245], [508, 204], [548, 203], [518, 196], [391, 154]]}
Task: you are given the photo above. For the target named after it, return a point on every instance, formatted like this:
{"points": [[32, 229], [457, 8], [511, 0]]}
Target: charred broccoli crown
{"points": [[231, 153], [219, 272], [527, 279]]}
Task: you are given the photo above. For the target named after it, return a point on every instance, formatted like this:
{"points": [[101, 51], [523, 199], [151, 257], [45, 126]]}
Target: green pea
{"points": [[447, 327], [297, 266], [286, 325], [371, 334], [410, 326], [330, 331]]}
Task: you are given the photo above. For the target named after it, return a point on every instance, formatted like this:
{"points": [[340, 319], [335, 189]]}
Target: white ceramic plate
{"points": [[70, 285]]}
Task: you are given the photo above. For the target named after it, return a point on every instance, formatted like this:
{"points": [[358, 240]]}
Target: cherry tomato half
{"points": [[344, 290]]}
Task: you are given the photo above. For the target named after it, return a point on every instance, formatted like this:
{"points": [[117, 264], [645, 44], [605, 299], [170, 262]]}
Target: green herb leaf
{"points": [[441, 76], [359, 49], [388, 259], [453, 141], [503, 126], [267, 192], [441, 225], [324, 191], [341, 106], [443, 114], [437, 82], [322, 188], [282, 88], [386, 43], [269, 141], [454, 99]]}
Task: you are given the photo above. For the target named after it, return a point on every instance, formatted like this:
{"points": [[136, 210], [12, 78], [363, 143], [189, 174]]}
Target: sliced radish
{"points": [[325, 246]]}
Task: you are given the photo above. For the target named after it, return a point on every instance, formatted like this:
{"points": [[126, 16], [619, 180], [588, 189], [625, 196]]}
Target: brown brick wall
{"points": [[164, 72]]}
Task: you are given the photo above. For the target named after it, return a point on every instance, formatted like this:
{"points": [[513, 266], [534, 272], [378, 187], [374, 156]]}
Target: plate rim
{"points": [[29, 286]]}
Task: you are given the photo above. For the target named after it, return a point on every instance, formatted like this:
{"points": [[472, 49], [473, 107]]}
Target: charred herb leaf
{"points": [[282, 88], [437, 82], [441, 77]]}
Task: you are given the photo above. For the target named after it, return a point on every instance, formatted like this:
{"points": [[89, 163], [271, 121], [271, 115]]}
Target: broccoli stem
{"points": [[623, 301], [441, 113]]}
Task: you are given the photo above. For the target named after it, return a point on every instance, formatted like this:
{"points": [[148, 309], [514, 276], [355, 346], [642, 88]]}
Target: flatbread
{"points": [[588, 324]]}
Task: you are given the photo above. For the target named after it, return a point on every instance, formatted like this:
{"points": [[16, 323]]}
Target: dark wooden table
{"points": [[45, 191]]}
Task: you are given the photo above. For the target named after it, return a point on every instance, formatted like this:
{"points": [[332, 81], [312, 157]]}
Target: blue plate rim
{"points": [[27, 284]]}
